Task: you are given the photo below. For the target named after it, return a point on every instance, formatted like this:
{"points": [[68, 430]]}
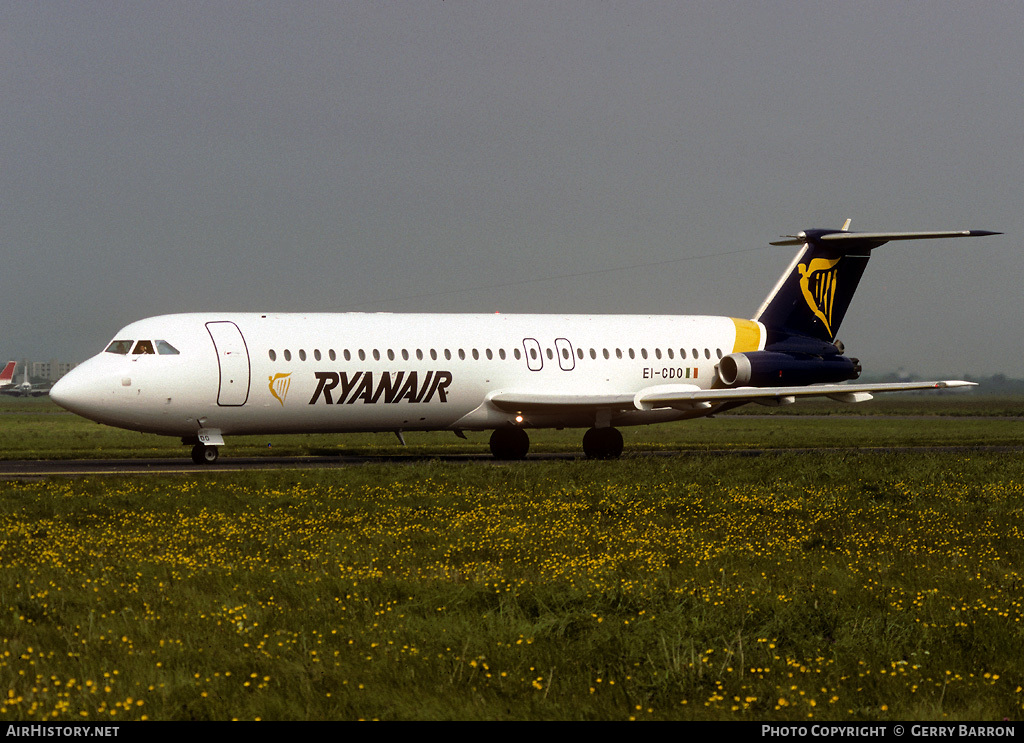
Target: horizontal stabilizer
{"points": [[876, 237]]}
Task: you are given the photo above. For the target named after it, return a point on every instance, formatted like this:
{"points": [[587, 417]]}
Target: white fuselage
{"points": [[286, 373]]}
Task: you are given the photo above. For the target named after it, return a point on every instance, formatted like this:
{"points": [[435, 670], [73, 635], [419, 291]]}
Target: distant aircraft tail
{"points": [[7, 375], [812, 296]]}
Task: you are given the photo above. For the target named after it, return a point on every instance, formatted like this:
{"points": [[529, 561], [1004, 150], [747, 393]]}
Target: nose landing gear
{"points": [[203, 454]]}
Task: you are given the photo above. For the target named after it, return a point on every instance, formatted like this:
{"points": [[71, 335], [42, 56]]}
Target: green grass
{"points": [[38, 429], [833, 585]]}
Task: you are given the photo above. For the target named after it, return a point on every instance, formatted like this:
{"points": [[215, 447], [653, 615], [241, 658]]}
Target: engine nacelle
{"points": [[775, 369]]}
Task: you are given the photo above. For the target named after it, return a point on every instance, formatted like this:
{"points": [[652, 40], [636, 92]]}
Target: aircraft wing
{"points": [[691, 397]]}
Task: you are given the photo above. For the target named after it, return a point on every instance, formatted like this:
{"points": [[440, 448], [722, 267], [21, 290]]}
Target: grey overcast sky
{"points": [[160, 157]]}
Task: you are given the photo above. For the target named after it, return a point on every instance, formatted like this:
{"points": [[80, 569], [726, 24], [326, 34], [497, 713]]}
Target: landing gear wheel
{"points": [[202, 454], [602, 443], [509, 443]]}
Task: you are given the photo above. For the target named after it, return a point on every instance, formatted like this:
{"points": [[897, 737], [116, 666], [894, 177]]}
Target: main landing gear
{"points": [[203, 454], [509, 443], [602, 443], [598, 443]]}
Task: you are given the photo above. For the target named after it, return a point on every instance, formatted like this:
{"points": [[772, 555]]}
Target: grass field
{"points": [[833, 585], [38, 429]]}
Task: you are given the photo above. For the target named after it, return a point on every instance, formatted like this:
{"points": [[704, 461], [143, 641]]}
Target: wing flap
{"points": [[690, 397], [840, 392]]}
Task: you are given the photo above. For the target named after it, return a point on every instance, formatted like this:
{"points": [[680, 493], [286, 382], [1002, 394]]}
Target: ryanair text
{"points": [[336, 388]]}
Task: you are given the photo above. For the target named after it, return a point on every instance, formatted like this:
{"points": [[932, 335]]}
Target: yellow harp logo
{"points": [[818, 283], [279, 386]]}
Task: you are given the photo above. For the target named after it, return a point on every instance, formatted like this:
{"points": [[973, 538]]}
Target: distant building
{"points": [[51, 370]]}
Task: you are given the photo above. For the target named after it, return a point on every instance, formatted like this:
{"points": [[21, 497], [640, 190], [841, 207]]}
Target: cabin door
{"points": [[233, 362], [534, 355], [566, 360]]}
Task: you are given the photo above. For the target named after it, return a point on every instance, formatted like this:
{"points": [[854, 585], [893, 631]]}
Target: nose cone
{"points": [[74, 391]]}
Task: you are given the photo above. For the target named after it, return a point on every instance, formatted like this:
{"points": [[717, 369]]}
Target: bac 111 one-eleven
{"points": [[206, 376]]}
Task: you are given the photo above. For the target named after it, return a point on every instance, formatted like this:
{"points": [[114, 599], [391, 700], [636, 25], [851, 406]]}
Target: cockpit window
{"points": [[143, 347], [121, 347], [165, 349]]}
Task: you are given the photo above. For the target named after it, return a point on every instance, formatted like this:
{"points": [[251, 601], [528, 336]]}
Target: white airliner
{"points": [[25, 389], [206, 376]]}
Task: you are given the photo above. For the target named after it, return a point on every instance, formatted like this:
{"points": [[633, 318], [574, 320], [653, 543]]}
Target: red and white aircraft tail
{"points": [[7, 375]]}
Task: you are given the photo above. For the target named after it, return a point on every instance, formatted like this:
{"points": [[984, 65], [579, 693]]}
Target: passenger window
{"points": [[515, 352], [618, 353], [316, 354], [332, 355], [362, 355], [670, 354], [143, 347], [166, 349], [643, 352], [391, 355], [273, 354], [119, 347], [287, 355], [657, 353], [501, 354], [433, 355], [682, 353], [302, 354], [707, 353]]}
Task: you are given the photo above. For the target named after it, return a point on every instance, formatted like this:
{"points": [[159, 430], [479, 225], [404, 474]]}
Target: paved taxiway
{"points": [[31, 469]]}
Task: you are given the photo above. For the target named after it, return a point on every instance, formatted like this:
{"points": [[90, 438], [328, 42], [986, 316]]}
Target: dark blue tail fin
{"points": [[812, 297]]}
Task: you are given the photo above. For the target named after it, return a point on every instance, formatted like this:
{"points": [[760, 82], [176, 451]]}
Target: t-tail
{"points": [[802, 314]]}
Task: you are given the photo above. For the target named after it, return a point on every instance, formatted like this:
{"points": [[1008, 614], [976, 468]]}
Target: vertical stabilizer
{"points": [[813, 295]]}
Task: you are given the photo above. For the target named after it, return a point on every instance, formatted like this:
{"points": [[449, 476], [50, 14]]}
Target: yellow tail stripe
{"points": [[748, 336]]}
